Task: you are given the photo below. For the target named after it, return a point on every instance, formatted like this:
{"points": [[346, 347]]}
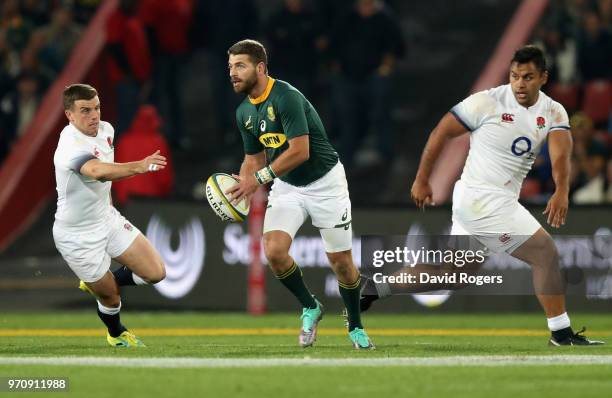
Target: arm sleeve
{"points": [[77, 159], [473, 110], [250, 143], [559, 118], [292, 114], [71, 155]]}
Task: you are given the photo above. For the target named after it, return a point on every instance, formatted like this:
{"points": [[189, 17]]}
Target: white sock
{"points": [[109, 310], [558, 322], [138, 280]]}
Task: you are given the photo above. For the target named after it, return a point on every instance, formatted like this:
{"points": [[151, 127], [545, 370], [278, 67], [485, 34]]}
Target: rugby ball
{"points": [[216, 186]]}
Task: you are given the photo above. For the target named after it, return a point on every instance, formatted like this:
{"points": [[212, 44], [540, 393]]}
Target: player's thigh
{"points": [[285, 212], [338, 242], [523, 228], [122, 234], [538, 249], [461, 240], [502, 224], [284, 218], [128, 246], [329, 205], [142, 258], [327, 201], [84, 252]]}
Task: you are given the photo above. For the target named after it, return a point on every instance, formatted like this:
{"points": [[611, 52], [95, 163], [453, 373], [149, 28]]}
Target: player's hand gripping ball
{"points": [[221, 204]]}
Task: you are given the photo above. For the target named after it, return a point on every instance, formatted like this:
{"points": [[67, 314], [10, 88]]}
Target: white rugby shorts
{"points": [[89, 252], [495, 219], [326, 201]]}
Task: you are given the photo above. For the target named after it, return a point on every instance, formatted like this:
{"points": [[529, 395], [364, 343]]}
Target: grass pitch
{"points": [[192, 354]]}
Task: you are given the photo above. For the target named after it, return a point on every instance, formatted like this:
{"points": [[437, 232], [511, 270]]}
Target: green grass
{"points": [[88, 319], [434, 381]]}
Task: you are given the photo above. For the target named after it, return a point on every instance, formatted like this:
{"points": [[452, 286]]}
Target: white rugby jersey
{"points": [[505, 136], [82, 202]]}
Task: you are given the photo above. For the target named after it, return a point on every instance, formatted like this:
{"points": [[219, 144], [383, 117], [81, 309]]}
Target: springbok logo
{"points": [[271, 114], [183, 265]]}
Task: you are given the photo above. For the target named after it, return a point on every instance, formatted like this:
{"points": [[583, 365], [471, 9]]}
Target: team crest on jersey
{"points": [[110, 142], [504, 238], [541, 122], [248, 123], [271, 114], [273, 140], [96, 153]]}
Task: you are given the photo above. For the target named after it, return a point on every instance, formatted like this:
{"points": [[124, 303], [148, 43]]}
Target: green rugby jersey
{"points": [[278, 115]]}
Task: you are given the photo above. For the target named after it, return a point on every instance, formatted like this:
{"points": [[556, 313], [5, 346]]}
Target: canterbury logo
{"points": [[504, 238], [273, 140]]}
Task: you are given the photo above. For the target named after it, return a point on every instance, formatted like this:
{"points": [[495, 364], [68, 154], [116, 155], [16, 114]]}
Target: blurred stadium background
{"points": [[159, 66]]}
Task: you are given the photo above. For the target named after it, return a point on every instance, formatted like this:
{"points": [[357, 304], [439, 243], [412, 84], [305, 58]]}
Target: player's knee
{"points": [[275, 253], [341, 263], [111, 300], [276, 256], [546, 255], [551, 252], [162, 272], [156, 275]]}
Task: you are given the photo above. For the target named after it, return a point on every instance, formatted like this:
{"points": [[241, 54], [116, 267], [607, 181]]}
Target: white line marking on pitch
{"points": [[170, 362]]}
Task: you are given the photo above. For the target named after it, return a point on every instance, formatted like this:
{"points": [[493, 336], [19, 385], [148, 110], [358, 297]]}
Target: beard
{"points": [[245, 86]]}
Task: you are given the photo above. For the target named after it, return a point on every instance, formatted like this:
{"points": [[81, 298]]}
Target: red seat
{"points": [[566, 94], [597, 101]]}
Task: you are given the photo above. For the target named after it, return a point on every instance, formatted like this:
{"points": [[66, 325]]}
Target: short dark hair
{"points": [[254, 49], [76, 92], [530, 53]]}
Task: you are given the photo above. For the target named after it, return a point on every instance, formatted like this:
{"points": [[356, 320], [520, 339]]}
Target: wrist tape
{"points": [[265, 175]]}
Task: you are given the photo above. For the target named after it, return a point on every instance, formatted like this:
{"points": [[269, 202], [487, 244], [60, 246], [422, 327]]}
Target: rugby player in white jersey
{"points": [[508, 125], [88, 231]]}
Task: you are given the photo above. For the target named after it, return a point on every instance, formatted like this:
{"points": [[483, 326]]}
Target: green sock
{"points": [[292, 279], [350, 295]]}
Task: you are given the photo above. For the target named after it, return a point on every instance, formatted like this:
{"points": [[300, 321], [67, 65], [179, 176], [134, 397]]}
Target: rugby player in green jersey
{"points": [[285, 144]]}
